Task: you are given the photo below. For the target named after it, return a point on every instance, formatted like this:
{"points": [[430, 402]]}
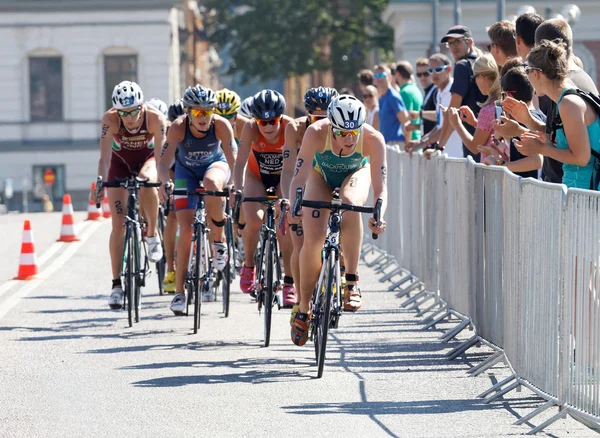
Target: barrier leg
{"points": [[414, 298], [497, 386], [387, 264], [391, 274], [428, 296], [377, 260], [434, 314], [437, 321], [400, 282], [532, 414], [452, 333], [548, 422], [430, 308], [498, 356], [462, 348], [416, 284], [502, 392]]}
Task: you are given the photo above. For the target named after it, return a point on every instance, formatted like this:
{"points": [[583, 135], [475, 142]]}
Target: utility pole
{"points": [[435, 5], [457, 12], [501, 10]]}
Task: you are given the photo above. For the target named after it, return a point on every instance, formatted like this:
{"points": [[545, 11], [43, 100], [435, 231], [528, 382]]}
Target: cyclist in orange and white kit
{"points": [[262, 150], [316, 101], [133, 133]]}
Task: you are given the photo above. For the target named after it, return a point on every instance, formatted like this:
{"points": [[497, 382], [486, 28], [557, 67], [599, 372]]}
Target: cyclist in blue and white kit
{"points": [[204, 149]]}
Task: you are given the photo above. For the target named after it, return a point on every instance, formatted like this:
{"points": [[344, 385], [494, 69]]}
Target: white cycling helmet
{"points": [[346, 113], [127, 95], [246, 107], [159, 105]]}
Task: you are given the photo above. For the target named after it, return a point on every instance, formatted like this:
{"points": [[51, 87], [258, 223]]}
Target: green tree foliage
{"points": [[270, 39]]}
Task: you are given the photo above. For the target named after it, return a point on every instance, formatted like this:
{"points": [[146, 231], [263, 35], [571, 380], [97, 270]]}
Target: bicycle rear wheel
{"points": [[324, 316], [268, 292]]}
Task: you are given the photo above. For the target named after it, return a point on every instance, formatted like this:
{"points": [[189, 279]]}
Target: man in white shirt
{"points": [[440, 71]]}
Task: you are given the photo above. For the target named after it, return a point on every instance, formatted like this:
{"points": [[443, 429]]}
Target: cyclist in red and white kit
{"points": [[133, 134]]}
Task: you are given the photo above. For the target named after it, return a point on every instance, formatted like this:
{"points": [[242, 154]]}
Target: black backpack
{"points": [[594, 101]]}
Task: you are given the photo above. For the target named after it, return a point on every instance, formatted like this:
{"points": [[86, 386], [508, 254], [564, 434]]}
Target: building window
{"points": [[46, 88], [118, 68]]}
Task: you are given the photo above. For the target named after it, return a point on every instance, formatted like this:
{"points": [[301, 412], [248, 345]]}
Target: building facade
{"points": [[412, 21], [60, 62]]}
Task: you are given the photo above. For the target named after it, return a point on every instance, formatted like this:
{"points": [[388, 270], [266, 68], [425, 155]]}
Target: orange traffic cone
{"points": [[28, 268], [94, 213], [67, 227], [105, 207]]}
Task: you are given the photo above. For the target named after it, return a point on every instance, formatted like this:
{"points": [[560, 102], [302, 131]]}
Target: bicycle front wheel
{"points": [[129, 273], [229, 270], [268, 292], [197, 284], [161, 264], [137, 290], [324, 316]]}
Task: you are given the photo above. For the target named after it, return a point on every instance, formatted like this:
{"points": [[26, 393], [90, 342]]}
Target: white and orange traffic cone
{"points": [[28, 268], [105, 207], [67, 227], [94, 213]]}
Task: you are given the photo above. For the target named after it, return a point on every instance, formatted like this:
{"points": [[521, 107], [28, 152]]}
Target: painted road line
{"points": [[11, 302]]}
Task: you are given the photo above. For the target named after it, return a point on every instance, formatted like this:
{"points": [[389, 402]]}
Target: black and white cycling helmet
{"points": [[127, 95], [268, 104], [199, 96], [176, 110], [346, 113], [159, 105], [318, 99], [246, 107]]}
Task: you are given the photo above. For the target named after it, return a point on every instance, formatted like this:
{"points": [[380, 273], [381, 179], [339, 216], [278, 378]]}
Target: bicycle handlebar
{"points": [[202, 192], [262, 199]]}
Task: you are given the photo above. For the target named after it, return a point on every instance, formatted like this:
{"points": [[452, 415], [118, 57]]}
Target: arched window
{"points": [[120, 64], [45, 85]]}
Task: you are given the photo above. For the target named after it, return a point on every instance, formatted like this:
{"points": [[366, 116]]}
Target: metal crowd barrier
{"points": [[517, 260]]}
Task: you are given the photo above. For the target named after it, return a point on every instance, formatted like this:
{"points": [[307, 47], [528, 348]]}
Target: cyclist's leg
{"points": [[117, 201], [314, 223], [286, 247], [297, 241], [170, 235], [254, 213], [149, 196], [354, 190], [215, 178]]}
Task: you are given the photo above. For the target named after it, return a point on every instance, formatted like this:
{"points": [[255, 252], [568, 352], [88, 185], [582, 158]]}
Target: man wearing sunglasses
{"points": [[338, 151], [316, 101], [133, 134], [464, 90], [204, 150], [261, 148]]}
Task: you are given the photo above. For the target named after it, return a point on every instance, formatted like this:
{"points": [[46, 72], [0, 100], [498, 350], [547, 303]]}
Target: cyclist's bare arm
{"points": [[249, 134], [313, 137], [290, 153], [167, 153], [110, 126], [224, 132], [375, 149]]}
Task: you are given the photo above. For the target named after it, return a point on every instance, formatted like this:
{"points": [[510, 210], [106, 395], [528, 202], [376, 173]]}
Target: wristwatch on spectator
{"points": [[500, 162]]}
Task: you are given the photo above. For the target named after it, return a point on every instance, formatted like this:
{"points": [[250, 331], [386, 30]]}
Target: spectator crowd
{"points": [[525, 102]]}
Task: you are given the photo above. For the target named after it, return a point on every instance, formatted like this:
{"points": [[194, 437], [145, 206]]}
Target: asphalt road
{"points": [[70, 367]]}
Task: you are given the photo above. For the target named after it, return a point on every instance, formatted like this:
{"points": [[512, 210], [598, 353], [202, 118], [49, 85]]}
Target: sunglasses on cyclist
{"points": [[228, 116], [340, 133], [315, 118], [437, 70], [274, 121], [423, 74], [200, 112], [131, 113]]}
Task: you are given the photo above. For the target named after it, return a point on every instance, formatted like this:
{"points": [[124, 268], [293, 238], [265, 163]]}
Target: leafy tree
{"points": [[270, 39]]}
